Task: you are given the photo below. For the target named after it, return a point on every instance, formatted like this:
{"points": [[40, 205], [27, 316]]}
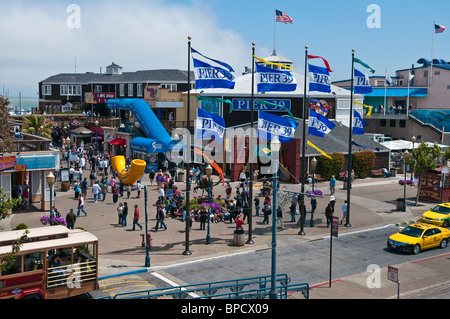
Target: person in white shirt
{"points": [[96, 191]]}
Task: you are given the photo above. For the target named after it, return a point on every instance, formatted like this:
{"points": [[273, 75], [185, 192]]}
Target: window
{"points": [[98, 89], [392, 123], [139, 89], [63, 90], [122, 89], [70, 90], [171, 87], [383, 122], [402, 123], [46, 89], [437, 72], [448, 87], [130, 89]]}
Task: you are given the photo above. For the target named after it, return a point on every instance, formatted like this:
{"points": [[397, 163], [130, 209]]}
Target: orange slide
{"points": [[132, 174]]}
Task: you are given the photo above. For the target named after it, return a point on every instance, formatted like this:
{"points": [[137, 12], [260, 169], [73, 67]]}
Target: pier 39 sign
{"points": [[246, 105]]}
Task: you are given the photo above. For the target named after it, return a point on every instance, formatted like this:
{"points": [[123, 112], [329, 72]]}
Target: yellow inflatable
{"points": [[132, 174]]}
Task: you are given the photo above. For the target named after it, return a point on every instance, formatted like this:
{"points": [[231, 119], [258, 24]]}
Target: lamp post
{"points": [[176, 138], [275, 148], [405, 158], [50, 181], [313, 166], [147, 244], [209, 170], [68, 151], [413, 140]]}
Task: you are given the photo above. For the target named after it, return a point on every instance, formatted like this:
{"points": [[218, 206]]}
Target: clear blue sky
{"points": [[148, 34]]}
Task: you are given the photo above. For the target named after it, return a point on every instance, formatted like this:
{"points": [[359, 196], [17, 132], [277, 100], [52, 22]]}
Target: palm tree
{"points": [[35, 124]]}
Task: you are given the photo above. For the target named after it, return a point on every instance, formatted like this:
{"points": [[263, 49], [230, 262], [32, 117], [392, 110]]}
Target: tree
{"points": [[422, 160], [7, 140], [331, 166], [363, 163], [35, 124]]}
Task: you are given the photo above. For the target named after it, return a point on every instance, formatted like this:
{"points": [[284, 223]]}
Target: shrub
{"points": [[363, 163], [329, 167]]}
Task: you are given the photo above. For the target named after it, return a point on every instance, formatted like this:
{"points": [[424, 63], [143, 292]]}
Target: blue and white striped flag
{"points": [[319, 125], [274, 80], [358, 124], [270, 125], [319, 79], [208, 76], [209, 125], [362, 85]]}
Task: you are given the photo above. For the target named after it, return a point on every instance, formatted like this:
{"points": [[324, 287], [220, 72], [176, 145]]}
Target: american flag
{"points": [[439, 28], [282, 17]]}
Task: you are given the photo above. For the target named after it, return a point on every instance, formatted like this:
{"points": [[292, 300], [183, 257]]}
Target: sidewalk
{"points": [[121, 251]]}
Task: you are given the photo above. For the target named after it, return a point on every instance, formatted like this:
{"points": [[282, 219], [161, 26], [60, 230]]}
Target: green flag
{"points": [[363, 64], [273, 104], [205, 98]]}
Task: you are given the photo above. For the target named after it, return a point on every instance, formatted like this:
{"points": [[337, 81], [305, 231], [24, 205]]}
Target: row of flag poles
{"points": [[213, 73]]}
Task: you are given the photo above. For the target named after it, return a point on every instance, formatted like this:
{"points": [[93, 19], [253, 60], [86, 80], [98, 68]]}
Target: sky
{"points": [[43, 38]]}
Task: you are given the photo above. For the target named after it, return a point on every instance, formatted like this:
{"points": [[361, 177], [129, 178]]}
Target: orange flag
{"points": [[218, 169]]}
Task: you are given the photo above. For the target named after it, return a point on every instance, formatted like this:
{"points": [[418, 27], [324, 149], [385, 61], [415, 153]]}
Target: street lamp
{"points": [[413, 140], [313, 166], [176, 139], [209, 171], [405, 158], [275, 146], [50, 181]]}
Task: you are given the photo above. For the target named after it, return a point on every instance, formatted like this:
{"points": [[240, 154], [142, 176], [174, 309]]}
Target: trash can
{"points": [[399, 204], [180, 176], [239, 239], [393, 172]]}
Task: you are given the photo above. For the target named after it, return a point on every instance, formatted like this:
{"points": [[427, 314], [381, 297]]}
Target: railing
{"points": [[71, 274], [246, 288], [32, 143]]}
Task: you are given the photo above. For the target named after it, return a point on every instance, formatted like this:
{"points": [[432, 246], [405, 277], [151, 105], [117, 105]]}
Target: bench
{"points": [[378, 173]]}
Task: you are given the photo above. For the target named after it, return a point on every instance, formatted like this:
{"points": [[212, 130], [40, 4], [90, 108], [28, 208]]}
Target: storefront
{"points": [[29, 170]]}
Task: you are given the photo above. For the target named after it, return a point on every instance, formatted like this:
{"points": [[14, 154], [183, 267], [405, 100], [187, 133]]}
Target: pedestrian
{"points": [[81, 206], [96, 191], [71, 219], [136, 217], [332, 184], [293, 210], [344, 211], [119, 213], [239, 221], [83, 187], [203, 218], [328, 214], [245, 211], [280, 217], [115, 192], [151, 176], [124, 214], [138, 188], [267, 210], [256, 200], [128, 190], [332, 202], [104, 190]]}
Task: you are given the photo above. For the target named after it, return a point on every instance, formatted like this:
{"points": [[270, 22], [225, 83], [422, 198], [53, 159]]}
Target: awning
{"points": [[118, 141], [398, 92]]}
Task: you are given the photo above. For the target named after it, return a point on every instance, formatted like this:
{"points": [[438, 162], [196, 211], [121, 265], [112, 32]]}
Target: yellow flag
{"points": [[319, 150], [369, 113], [273, 63]]}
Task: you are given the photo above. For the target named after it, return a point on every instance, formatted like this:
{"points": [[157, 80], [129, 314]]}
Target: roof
{"points": [[243, 88], [146, 76], [397, 92]]}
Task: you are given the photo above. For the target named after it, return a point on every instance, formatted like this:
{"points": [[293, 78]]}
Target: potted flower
{"points": [[406, 182], [59, 221], [45, 220], [316, 192]]}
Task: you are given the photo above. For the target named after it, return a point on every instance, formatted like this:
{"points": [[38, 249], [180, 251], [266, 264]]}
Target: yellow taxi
{"points": [[439, 215], [419, 236]]}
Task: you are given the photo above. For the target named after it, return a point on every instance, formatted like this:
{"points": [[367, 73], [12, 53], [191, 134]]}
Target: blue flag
{"points": [[362, 85], [269, 125], [274, 80], [209, 125], [208, 76], [358, 124], [319, 79], [319, 125]]}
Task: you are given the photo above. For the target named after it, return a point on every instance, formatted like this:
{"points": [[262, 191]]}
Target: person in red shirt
{"points": [[239, 221], [136, 217]]}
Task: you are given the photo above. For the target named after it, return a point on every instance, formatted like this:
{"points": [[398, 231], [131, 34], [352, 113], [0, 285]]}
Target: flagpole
{"points": [[251, 149], [432, 53], [188, 153], [274, 31], [349, 170], [385, 88], [409, 84], [303, 166]]}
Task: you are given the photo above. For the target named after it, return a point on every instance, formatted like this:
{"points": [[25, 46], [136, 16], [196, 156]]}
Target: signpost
{"points": [[392, 275], [334, 230]]}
